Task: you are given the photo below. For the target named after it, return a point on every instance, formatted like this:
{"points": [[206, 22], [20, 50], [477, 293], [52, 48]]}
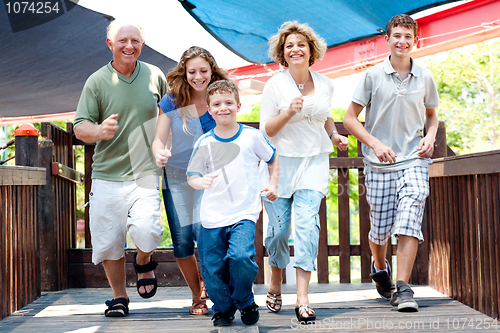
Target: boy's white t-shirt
{"points": [[235, 193]]}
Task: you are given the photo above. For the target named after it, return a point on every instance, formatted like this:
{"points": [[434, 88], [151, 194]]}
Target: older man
{"points": [[117, 111]]}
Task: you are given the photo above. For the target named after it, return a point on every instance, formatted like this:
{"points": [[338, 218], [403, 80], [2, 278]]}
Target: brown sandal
{"points": [[203, 293], [273, 302], [199, 307]]}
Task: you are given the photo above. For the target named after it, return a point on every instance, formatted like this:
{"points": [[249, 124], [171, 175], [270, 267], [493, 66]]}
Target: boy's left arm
{"points": [[271, 190], [426, 145]]}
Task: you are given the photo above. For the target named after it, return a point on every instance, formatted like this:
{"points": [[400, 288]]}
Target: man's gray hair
{"points": [[115, 25]]}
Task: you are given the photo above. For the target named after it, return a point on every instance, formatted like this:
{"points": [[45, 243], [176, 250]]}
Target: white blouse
{"points": [[304, 134], [303, 145]]}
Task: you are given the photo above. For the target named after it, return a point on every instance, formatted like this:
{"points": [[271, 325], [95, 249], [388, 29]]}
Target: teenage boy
{"points": [[225, 163], [397, 94]]}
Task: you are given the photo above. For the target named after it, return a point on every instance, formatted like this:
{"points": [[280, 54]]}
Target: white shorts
{"points": [[118, 207]]}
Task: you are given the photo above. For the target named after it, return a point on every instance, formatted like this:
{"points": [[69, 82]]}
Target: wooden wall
{"points": [[19, 261], [464, 229]]}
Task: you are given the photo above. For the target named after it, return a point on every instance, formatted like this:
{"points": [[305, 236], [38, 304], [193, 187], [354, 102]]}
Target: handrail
{"points": [[67, 173], [5, 146], [8, 144], [463, 214], [470, 164]]}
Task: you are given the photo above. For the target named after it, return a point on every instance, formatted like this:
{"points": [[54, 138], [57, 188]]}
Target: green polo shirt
{"points": [[128, 155]]}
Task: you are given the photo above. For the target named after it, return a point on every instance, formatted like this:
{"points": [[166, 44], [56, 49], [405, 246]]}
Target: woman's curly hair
{"points": [[317, 45]]}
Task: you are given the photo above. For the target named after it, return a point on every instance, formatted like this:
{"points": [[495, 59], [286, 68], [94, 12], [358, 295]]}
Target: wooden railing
{"points": [[37, 217], [463, 214], [19, 260], [58, 213], [459, 257]]}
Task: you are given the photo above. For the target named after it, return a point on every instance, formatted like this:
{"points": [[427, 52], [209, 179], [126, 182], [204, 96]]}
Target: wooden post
{"points": [[26, 149], [46, 221], [26, 152], [344, 223], [89, 159], [323, 245], [364, 229], [440, 146], [420, 272], [259, 250]]}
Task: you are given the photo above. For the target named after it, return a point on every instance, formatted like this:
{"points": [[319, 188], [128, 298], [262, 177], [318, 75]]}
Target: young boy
{"points": [[397, 94], [225, 163]]}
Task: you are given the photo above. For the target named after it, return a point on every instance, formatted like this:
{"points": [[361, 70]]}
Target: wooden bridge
{"points": [[339, 308], [45, 281]]}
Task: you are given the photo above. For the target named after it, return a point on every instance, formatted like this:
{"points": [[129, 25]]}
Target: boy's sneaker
{"points": [[222, 318], [383, 281], [250, 314], [403, 298]]}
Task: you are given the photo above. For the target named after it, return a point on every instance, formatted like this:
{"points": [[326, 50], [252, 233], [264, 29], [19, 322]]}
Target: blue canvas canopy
{"points": [[45, 64], [245, 26]]}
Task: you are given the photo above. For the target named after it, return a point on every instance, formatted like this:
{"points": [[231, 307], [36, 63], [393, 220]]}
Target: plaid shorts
{"points": [[397, 202]]}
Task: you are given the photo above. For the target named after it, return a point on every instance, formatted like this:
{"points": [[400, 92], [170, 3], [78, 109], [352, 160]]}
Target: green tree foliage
{"points": [[468, 82], [253, 115]]}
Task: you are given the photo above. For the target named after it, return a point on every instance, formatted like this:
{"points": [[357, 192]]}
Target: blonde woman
{"points": [[184, 116], [295, 115]]}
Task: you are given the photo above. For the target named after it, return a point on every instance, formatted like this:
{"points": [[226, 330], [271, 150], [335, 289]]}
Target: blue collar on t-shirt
{"points": [[234, 137]]}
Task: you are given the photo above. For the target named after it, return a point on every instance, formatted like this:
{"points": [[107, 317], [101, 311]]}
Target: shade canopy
{"points": [[43, 68], [44, 65], [245, 27]]}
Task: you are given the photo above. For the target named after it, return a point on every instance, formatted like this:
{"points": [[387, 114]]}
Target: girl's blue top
{"points": [[182, 142]]}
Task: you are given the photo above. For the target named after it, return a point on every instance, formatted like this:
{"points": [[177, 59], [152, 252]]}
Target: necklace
{"points": [[301, 86]]}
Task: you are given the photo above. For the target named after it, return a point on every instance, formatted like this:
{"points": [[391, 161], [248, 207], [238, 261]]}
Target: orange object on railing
{"points": [[26, 130]]}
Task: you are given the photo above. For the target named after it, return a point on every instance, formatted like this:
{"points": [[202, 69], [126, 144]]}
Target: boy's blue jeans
{"points": [[228, 266]]}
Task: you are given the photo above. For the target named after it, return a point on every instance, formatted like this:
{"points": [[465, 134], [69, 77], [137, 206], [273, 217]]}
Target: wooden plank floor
{"points": [[339, 308]]}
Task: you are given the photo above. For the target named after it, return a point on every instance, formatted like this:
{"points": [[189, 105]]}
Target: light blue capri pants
{"points": [[306, 206]]}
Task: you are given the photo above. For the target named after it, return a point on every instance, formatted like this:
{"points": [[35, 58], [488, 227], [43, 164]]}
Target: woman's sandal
{"points": [[273, 303], [199, 307], [117, 307], [302, 310], [150, 266], [203, 294]]}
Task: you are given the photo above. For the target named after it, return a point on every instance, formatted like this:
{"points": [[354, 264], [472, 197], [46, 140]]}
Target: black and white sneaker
{"points": [[403, 298], [383, 282]]}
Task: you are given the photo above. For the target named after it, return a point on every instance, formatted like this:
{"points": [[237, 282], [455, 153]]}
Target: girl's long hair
{"points": [[177, 82]]}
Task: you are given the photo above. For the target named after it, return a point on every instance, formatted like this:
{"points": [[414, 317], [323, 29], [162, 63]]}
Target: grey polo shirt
{"points": [[395, 112]]}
